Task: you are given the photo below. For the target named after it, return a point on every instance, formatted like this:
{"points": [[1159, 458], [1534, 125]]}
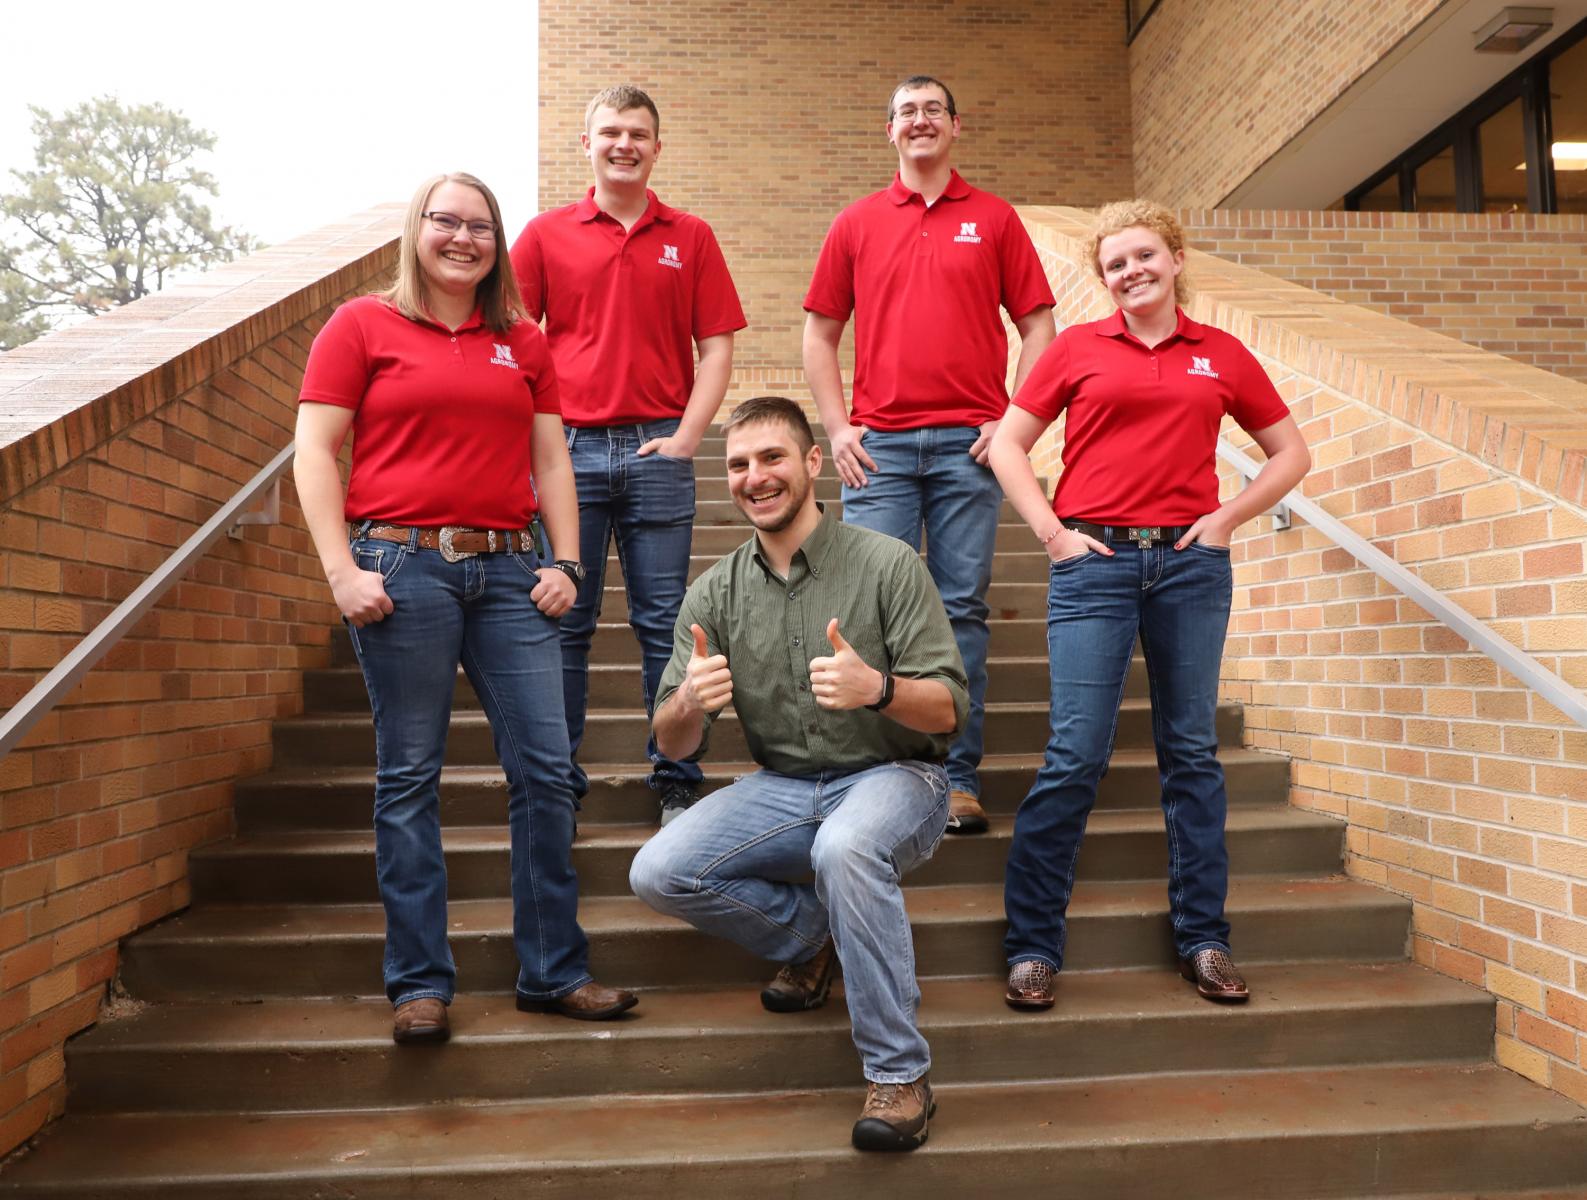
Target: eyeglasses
{"points": [[480, 231], [931, 110]]}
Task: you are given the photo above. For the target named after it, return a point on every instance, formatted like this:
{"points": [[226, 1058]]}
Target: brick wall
{"points": [[773, 116], [120, 437], [1462, 790], [1217, 86], [1512, 283]]}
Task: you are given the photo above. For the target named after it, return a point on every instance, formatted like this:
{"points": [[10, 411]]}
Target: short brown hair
{"points": [[920, 81], [500, 302], [622, 97], [1147, 214], [773, 408]]}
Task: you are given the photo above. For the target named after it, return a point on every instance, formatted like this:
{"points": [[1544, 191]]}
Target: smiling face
{"points": [[622, 146], [1139, 270], [455, 263], [767, 474], [922, 140]]}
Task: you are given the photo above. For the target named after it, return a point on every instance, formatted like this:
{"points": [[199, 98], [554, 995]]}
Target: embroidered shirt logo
{"points": [[669, 257], [504, 357], [967, 232], [1201, 366]]}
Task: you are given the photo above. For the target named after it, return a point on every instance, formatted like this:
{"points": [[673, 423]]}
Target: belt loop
{"points": [[361, 530], [572, 435], [413, 538]]}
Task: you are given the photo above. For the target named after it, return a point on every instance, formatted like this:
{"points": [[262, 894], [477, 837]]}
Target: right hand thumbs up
{"points": [[707, 682]]}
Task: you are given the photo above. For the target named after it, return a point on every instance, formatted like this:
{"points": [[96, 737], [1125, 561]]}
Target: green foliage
{"points": [[113, 208]]}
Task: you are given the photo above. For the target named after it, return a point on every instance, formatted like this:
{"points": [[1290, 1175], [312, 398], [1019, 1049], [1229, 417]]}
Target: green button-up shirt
{"points": [[770, 628]]}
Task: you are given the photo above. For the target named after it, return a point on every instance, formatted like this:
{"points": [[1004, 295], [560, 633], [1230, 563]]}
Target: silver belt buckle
{"points": [[451, 555], [1143, 536]]}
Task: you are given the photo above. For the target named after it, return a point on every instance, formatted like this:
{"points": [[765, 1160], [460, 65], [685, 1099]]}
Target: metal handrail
{"points": [[33, 707], [1517, 662]]}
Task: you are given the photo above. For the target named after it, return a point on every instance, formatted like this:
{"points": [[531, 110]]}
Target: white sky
{"points": [[320, 108]]}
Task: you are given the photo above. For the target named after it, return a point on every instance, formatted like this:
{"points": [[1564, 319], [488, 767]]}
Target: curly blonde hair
{"points": [[1148, 214]]}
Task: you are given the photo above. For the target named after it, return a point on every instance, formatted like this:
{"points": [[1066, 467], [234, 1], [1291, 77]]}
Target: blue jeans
{"points": [[1178, 604], [725, 866], [649, 504], [477, 612], [926, 478]]}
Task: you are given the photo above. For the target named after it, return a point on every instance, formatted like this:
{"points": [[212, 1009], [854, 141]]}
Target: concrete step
{"points": [[618, 685], [342, 797], [283, 1055], [348, 740], [1301, 1133], [338, 867], [216, 952]]}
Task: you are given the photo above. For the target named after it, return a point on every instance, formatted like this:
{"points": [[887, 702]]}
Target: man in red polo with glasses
{"points": [[630, 289], [925, 267]]}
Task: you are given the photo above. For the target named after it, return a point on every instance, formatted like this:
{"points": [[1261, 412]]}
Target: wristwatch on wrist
{"points": [[887, 694], [572, 568]]}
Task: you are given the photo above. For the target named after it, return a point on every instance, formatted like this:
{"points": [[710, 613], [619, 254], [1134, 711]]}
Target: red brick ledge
{"points": [[69, 392], [1517, 418]]}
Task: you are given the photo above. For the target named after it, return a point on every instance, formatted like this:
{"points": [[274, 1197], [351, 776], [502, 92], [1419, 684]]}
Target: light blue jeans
{"points": [[925, 478], [725, 865]]}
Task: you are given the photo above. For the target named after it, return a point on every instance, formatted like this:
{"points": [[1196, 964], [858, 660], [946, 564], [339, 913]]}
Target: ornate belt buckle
{"points": [[1145, 535], [451, 555]]}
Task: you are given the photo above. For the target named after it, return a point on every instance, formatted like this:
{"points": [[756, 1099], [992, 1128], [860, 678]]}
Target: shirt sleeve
{"points": [[1254, 402], [696, 609], [534, 352], [338, 368], [528, 264], [716, 305], [1049, 386], [1024, 283], [918, 637], [831, 291]]}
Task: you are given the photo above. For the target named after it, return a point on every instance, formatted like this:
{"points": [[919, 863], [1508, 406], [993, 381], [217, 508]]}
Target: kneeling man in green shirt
{"points": [[851, 691]]}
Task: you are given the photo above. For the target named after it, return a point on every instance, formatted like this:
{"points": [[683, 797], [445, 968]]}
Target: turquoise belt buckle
{"points": [[1144, 535]]}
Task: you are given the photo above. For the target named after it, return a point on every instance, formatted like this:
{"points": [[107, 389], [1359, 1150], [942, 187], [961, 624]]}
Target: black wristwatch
{"points": [[572, 568], [887, 694]]}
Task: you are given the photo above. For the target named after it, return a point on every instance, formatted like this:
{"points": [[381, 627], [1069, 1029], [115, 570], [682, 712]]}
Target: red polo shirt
{"points": [[623, 309], [1141, 433], [443, 421], [924, 286]]}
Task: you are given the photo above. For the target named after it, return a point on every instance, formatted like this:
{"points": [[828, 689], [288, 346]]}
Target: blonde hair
{"points": [[1147, 214], [622, 97], [500, 303]]}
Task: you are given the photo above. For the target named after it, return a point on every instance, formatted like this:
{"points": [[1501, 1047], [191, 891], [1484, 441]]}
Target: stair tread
{"points": [[592, 836], [927, 905], [350, 1147], [1290, 990]]}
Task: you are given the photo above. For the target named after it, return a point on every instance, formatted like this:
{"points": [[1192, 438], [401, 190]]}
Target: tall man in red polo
{"points": [[629, 289], [924, 267]]}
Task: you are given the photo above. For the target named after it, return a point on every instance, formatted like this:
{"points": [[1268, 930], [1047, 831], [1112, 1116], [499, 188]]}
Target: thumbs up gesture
{"points": [[842, 679], [707, 683]]}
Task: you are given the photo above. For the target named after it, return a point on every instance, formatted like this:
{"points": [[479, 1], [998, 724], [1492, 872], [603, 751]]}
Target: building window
{"points": [[1521, 147]]}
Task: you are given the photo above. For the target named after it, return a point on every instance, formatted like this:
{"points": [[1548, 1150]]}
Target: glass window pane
{"points": [[1435, 183], [1567, 85], [1504, 165], [1383, 198]]}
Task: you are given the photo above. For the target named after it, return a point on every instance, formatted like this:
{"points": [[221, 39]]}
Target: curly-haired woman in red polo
{"points": [[1139, 545], [434, 558]]}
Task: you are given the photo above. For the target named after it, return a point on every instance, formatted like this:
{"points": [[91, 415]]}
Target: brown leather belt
{"points": [[456, 542]]}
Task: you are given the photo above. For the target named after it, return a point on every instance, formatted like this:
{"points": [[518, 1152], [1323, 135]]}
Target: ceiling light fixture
{"points": [[1513, 30]]}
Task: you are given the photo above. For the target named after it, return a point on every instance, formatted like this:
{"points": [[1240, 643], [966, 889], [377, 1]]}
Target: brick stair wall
{"points": [[1464, 791], [119, 437]]}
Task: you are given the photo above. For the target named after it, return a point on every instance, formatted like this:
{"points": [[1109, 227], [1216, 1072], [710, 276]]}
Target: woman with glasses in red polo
{"points": [[1139, 548], [435, 557]]}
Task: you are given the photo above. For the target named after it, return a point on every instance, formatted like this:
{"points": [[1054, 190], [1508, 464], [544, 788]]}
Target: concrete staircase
{"points": [[262, 1065]]}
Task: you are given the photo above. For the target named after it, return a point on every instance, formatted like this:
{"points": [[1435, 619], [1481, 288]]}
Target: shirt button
{"points": [[454, 339], [811, 727], [793, 595], [798, 641], [803, 686]]}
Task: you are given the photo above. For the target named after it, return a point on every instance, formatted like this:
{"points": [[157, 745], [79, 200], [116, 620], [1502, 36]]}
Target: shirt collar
{"points": [[1184, 328], [474, 321], [814, 547], [957, 189], [587, 210]]}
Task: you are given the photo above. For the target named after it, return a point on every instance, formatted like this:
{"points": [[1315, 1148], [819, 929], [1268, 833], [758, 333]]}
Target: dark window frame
{"points": [[1528, 83]]}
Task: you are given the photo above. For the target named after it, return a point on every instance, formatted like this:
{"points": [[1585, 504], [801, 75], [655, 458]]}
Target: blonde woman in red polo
{"points": [[1139, 544]]}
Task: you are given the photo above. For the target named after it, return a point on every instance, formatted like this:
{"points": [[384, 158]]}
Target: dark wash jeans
{"points": [[648, 503], [477, 612], [1177, 601]]}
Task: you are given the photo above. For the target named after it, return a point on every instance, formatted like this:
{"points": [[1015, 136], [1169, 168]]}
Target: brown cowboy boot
{"points": [[1215, 976]]}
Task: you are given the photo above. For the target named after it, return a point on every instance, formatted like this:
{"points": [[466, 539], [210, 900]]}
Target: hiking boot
{"points": [[799, 986], [676, 799], [894, 1116]]}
